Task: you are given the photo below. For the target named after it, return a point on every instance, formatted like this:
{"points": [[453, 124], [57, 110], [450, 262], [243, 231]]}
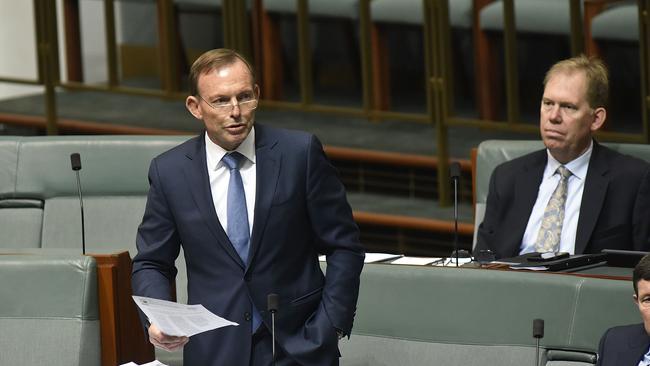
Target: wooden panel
{"points": [[122, 334]]}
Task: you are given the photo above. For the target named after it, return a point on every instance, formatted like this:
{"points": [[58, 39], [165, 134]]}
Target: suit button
{"points": [[247, 316]]}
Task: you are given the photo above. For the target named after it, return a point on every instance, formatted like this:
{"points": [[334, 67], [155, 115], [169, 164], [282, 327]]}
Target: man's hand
{"points": [[164, 341]]}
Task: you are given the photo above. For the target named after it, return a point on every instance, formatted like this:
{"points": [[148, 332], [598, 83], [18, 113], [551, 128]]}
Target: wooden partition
{"points": [[122, 334]]}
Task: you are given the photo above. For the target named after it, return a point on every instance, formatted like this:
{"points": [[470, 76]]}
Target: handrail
{"points": [[438, 63]]}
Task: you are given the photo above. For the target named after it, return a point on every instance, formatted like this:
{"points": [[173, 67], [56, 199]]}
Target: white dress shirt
{"points": [[219, 176], [575, 186]]}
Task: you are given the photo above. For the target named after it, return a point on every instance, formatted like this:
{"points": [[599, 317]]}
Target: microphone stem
{"points": [[537, 353], [456, 219], [273, 334], [81, 204]]}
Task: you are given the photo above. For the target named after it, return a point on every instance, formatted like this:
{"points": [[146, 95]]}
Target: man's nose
{"points": [[235, 111], [555, 115]]}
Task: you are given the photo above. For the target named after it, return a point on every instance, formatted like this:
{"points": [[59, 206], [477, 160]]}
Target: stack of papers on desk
{"points": [[372, 257], [380, 257], [574, 261], [416, 261], [152, 363]]}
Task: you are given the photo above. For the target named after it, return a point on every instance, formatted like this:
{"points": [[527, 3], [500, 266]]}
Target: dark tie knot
{"points": [[232, 160], [563, 171]]}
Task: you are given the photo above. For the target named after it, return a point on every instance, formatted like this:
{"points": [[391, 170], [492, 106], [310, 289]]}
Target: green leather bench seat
{"points": [[39, 205], [49, 310], [406, 315], [411, 315]]}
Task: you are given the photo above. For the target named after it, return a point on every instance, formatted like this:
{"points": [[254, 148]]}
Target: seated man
{"points": [[575, 196], [629, 345]]}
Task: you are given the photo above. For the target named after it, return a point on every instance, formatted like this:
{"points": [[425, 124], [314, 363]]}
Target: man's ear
{"points": [[192, 105], [600, 115], [256, 90], [636, 299]]}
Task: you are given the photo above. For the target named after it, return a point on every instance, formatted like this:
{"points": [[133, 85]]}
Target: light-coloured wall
{"points": [[18, 45]]}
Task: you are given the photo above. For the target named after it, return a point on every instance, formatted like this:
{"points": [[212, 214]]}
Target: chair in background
{"points": [[275, 62], [540, 21], [408, 14], [612, 33]]}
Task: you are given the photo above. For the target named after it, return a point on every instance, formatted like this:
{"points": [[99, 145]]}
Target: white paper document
{"points": [[416, 261], [152, 363], [380, 257], [179, 319]]}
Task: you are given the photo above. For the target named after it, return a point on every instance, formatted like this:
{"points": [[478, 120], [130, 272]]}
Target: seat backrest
{"points": [[494, 152], [410, 315], [619, 22], [39, 197], [412, 12], [532, 16], [49, 310]]}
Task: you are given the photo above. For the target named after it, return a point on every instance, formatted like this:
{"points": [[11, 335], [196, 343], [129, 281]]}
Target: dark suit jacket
{"points": [[623, 346], [614, 213], [300, 211]]}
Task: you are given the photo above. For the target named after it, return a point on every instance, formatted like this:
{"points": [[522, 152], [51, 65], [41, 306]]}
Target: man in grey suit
{"points": [[630, 345], [253, 207], [575, 196]]}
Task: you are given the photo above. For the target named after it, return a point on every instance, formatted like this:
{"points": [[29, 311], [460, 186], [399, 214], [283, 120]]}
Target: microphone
{"points": [[272, 305], [75, 162], [454, 174], [538, 333]]}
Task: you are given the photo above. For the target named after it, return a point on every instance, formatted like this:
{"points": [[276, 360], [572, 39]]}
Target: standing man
{"points": [[576, 195], [630, 345], [252, 206]]}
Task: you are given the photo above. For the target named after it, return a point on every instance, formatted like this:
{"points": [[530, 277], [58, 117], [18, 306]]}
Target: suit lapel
{"points": [[268, 159], [638, 343], [197, 178], [526, 190], [592, 198]]}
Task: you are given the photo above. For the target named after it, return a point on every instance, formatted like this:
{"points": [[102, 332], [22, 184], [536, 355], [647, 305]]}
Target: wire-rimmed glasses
{"points": [[246, 102]]}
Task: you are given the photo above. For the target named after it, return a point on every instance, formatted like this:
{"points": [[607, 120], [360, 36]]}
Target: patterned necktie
{"points": [[237, 214], [548, 238]]}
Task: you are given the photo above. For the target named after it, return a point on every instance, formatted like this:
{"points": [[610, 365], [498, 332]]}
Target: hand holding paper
{"points": [[179, 320]]}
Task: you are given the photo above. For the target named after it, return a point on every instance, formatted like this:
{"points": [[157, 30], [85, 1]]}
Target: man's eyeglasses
{"points": [[245, 102]]}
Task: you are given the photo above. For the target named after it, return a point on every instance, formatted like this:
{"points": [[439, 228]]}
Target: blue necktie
{"points": [[238, 229]]}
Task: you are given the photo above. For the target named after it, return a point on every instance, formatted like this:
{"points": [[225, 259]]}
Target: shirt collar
{"points": [[578, 166], [214, 152]]}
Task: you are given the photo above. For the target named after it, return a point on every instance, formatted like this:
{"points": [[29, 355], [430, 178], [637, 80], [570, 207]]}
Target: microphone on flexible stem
{"points": [[75, 162], [272, 304], [454, 173], [538, 333]]}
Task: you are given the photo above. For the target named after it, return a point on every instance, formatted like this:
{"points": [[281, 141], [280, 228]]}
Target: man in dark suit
{"points": [[575, 196], [252, 206], [630, 345]]}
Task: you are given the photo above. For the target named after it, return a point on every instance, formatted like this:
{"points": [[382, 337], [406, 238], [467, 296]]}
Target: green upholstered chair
{"points": [[49, 310]]}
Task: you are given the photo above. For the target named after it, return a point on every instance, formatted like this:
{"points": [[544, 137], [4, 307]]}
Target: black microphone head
{"points": [[75, 161], [538, 328], [454, 170], [272, 302]]}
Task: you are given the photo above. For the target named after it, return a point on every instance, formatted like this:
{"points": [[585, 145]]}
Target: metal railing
{"points": [[242, 30]]}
